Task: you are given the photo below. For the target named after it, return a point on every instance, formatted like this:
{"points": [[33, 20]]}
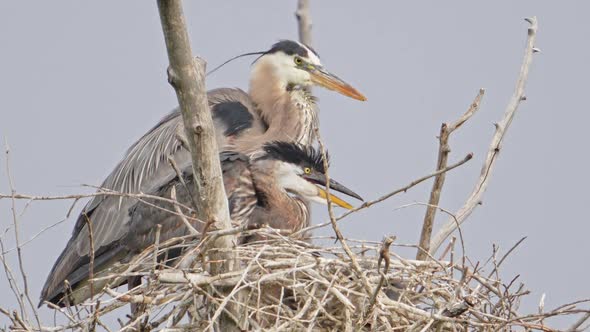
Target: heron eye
{"points": [[298, 60], [307, 170]]}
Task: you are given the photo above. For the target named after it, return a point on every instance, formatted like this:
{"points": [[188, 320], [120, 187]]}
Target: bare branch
{"points": [[187, 223], [187, 76], [304, 21], [443, 154], [17, 239], [389, 195], [575, 327], [90, 254], [339, 235], [494, 149]]}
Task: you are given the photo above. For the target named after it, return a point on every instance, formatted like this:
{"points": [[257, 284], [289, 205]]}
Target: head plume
{"points": [[296, 154]]}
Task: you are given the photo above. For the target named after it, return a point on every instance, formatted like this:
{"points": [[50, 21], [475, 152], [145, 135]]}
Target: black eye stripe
{"points": [[290, 47]]}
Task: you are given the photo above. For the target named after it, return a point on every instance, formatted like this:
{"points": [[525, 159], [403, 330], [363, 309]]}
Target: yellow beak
{"points": [[334, 199]]}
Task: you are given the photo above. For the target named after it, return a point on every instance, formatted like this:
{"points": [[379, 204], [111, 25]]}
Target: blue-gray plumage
{"points": [[277, 107], [234, 116]]}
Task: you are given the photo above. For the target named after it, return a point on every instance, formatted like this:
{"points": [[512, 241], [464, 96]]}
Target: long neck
{"points": [[276, 207], [289, 113]]}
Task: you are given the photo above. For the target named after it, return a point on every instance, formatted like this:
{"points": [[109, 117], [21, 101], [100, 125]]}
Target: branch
{"points": [[387, 196], [303, 21], [578, 323], [494, 149], [18, 245], [187, 76], [443, 155], [355, 265]]}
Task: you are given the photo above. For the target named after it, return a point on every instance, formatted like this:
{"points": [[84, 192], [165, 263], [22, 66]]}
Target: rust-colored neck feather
{"points": [[281, 210]]}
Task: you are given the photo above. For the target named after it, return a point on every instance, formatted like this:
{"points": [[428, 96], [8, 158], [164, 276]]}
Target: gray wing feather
{"points": [[144, 217], [144, 168]]}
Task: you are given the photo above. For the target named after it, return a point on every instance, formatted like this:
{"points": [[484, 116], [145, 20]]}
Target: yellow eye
{"points": [[298, 60], [307, 170]]}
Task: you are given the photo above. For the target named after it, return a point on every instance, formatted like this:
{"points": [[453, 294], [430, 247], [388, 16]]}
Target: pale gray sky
{"points": [[81, 81]]}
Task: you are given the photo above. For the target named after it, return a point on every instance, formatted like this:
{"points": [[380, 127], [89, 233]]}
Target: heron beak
{"points": [[320, 181], [334, 199], [321, 77]]}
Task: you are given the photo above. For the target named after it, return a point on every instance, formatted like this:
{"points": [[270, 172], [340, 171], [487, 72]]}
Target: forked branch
{"points": [[443, 155]]}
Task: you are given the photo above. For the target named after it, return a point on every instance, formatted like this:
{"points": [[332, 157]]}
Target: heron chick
{"points": [[274, 188]]}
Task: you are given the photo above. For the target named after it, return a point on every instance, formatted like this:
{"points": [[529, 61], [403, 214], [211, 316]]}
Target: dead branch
{"points": [[303, 21], [18, 245], [389, 195], [443, 154], [187, 76], [495, 145]]}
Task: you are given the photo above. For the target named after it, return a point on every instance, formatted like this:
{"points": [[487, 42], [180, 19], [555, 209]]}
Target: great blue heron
{"points": [[279, 107], [274, 188]]}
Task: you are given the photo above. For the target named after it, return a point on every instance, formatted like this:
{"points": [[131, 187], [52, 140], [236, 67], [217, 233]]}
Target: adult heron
{"points": [[274, 187], [279, 106]]}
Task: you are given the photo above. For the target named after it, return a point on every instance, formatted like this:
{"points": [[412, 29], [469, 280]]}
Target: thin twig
{"points": [[389, 195], [90, 254], [17, 239], [182, 216], [339, 235], [579, 323]]}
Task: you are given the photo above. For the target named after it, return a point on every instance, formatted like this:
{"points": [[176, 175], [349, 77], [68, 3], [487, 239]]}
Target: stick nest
{"points": [[285, 284]]}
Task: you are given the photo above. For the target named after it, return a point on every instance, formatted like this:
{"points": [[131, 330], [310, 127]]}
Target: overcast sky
{"points": [[81, 81]]}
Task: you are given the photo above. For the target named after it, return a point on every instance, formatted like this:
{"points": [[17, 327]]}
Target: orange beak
{"points": [[330, 81]]}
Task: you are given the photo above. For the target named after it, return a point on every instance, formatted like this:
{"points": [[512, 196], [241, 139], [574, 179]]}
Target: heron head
{"points": [[296, 64], [300, 171]]}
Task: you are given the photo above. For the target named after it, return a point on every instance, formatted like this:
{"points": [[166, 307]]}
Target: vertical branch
{"points": [[18, 244], [355, 265], [90, 254], [187, 76], [443, 155], [495, 145], [303, 21]]}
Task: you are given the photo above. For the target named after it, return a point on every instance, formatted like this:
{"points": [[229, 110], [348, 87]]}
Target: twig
{"points": [[443, 154], [39, 233], [156, 249], [339, 235], [90, 254], [383, 256], [11, 279], [578, 323], [506, 255], [17, 239], [389, 195], [494, 149], [449, 213], [182, 216], [106, 192]]}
